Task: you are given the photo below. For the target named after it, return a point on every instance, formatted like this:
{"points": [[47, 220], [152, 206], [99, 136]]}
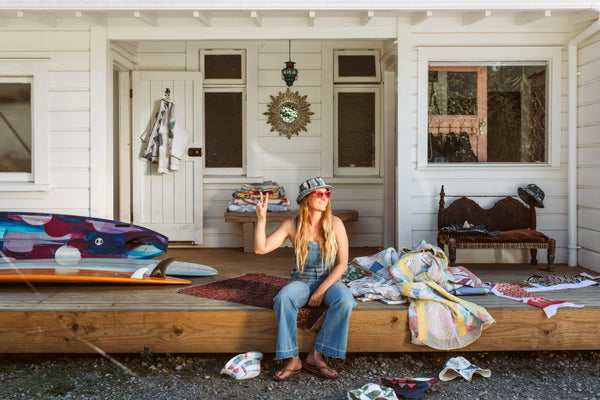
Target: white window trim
{"points": [[39, 178], [358, 171], [208, 81], [485, 54], [356, 79], [226, 171]]}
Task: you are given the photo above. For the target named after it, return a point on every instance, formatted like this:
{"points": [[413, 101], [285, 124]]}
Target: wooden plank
{"points": [[236, 331]]}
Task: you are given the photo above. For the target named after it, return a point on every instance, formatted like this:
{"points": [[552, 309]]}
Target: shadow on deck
{"points": [[125, 319]]}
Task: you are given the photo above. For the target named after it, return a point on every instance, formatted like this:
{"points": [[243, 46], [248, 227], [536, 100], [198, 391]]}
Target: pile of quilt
{"points": [[421, 276], [245, 199]]}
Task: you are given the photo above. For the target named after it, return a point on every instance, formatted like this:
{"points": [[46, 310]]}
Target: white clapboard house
{"points": [[380, 86]]}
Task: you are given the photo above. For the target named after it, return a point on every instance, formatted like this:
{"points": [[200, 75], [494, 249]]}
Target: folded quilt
{"points": [[250, 193], [252, 208]]}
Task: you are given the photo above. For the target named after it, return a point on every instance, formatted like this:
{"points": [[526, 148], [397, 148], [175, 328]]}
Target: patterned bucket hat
{"points": [[534, 191], [310, 185]]}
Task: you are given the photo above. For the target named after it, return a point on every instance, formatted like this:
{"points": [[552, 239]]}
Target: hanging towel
{"points": [[165, 143]]}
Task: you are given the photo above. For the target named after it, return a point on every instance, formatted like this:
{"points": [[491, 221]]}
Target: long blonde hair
{"points": [[328, 245]]}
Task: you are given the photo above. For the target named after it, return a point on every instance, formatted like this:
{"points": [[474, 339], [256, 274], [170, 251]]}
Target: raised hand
{"points": [[261, 206]]}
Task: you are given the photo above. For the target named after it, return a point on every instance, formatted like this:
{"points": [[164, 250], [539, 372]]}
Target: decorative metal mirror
{"points": [[288, 113]]}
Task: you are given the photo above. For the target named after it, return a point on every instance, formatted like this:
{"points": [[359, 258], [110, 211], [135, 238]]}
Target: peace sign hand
{"points": [[261, 206]]}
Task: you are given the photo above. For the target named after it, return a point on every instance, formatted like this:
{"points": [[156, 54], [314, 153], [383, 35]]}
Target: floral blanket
{"points": [[437, 318]]}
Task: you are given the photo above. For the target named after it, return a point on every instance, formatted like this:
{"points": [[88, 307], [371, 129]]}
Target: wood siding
{"points": [[588, 152], [68, 99]]}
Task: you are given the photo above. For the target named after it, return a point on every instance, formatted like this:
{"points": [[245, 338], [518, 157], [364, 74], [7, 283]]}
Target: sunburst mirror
{"points": [[288, 113]]}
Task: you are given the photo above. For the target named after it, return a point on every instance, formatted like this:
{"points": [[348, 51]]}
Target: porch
{"points": [[125, 319]]}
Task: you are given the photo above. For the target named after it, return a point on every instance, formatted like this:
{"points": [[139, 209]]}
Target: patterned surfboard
{"points": [[25, 235]]}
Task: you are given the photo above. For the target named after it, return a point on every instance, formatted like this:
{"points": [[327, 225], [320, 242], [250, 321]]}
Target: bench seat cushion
{"points": [[512, 236]]}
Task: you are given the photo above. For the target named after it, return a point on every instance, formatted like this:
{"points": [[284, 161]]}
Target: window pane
{"points": [[15, 127], [223, 66], [356, 129], [493, 113], [452, 93], [517, 113], [223, 129], [357, 65]]}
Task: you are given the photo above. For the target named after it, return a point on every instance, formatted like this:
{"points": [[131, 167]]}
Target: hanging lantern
{"points": [[289, 73]]}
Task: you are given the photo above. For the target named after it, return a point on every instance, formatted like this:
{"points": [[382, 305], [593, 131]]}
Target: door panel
{"points": [[168, 203]]}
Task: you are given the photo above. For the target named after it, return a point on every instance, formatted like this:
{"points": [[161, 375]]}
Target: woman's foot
{"points": [[292, 367], [316, 364]]}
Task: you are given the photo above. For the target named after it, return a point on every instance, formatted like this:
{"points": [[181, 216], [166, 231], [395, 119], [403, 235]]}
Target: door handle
{"points": [[195, 152]]}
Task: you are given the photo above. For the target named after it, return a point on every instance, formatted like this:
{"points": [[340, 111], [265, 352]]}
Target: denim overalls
{"points": [[333, 336]]}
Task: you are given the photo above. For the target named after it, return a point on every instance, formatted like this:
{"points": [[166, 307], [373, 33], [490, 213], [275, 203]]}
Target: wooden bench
{"points": [[511, 217], [248, 219]]}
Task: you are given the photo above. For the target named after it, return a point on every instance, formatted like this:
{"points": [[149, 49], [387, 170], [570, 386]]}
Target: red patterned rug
{"points": [[254, 290]]}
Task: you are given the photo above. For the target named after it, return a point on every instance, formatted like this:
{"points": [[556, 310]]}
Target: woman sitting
{"points": [[321, 249]]}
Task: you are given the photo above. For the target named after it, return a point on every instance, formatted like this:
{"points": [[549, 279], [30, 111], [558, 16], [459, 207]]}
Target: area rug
{"points": [[257, 290]]}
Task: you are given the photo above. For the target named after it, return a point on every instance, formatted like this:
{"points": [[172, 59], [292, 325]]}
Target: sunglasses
{"points": [[320, 195]]}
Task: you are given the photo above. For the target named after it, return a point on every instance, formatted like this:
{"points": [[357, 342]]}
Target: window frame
{"points": [[551, 55], [357, 171], [39, 178], [356, 79], [209, 81], [233, 170]]}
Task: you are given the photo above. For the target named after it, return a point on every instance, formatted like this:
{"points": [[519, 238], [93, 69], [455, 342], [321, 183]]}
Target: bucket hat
{"points": [[460, 366], [534, 191], [310, 185]]}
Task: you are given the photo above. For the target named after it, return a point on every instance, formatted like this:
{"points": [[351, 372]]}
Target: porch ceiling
{"points": [[124, 13]]}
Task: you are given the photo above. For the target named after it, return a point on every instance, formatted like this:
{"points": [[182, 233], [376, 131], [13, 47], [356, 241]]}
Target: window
{"points": [[356, 66], [224, 128], [223, 67], [23, 125], [357, 130], [224, 110], [15, 125], [481, 110]]}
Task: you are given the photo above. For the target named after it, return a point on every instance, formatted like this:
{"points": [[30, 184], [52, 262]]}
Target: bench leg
{"points": [[551, 249], [452, 251], [533, 256], [248, 234]]}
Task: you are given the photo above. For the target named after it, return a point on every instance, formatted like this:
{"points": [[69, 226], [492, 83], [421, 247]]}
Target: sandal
{"points": [[319, 370], [292, 372]]}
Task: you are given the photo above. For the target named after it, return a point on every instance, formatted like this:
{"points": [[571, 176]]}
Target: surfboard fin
{"points": [[161, 268]]}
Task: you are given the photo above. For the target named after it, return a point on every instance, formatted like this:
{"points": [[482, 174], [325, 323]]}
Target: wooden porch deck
{"points": [[125, 319]]}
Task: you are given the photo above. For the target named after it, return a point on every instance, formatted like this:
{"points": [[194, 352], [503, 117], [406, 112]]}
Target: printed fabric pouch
{"points": [[410, 388], [243, 366], [372, 391]]}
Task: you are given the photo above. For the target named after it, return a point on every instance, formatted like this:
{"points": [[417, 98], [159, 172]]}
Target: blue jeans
{"points": [[333, 336]]}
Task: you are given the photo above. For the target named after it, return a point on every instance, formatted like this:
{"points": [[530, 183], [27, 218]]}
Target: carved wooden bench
{"points": [[248, 219], [514, 220]]}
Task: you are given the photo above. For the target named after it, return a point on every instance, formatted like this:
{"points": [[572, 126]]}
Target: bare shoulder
{"points": [[337, 223]]}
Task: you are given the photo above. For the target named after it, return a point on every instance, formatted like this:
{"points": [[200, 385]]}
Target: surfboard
{"points": [[175, 268], [143, 276], [25, 235]]}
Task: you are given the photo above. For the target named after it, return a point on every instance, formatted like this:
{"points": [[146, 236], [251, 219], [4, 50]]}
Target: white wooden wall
{"points": [[286, 161], [68, 52], [422, 194], [588, 153]]}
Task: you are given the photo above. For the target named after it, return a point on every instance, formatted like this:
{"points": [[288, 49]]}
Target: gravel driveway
{"points": [[515, 375]]}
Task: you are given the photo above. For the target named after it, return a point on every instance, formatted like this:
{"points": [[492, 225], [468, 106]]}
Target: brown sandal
{"points": [[292, 372], [319, 370]]}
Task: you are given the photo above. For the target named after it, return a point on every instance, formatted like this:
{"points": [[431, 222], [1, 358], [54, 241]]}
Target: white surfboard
{"points": [[177, 268]]}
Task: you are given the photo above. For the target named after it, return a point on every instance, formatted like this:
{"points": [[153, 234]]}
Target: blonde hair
{"points": [[328, 244]]}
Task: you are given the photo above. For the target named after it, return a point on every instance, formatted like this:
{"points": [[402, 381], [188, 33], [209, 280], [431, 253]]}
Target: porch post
{"points": [[404, 152]]}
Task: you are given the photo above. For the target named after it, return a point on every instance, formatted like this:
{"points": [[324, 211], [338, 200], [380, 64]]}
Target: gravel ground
{"points": [[515, 375]]}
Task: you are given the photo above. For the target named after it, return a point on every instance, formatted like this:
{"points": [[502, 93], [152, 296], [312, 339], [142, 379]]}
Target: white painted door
{"points": [[168, 203]]}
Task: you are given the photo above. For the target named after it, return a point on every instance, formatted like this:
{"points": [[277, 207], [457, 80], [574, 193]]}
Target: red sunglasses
{"points": [[320, 195]]}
